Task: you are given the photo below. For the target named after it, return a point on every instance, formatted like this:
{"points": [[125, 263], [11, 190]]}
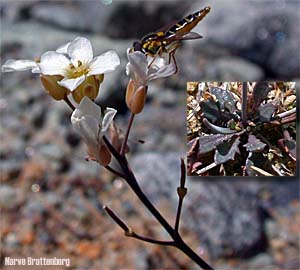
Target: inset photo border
{"points": [[242, 129]]}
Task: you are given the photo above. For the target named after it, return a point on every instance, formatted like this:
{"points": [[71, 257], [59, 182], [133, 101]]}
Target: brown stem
{"points": [[114, 171], [244, 104], [66, 99], [181, 191], [123, 148], [132, 182]]}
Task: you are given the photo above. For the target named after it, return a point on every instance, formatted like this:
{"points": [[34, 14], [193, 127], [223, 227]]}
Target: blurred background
{"points": [[51, 199]]}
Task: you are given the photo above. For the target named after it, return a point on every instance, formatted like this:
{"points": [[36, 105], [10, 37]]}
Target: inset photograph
{"points": [[241, 129]]}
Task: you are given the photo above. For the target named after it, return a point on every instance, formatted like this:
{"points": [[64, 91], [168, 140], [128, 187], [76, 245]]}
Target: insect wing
{"points": [[184, 36]]}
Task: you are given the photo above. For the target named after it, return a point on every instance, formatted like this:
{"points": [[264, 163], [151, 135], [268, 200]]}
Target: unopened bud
{"points": [[104, 155], [89, 88], [138, 100], [131, 86], [53, 88]]}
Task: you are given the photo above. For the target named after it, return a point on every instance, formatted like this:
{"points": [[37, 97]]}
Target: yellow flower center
{"points": [[75, 72]]}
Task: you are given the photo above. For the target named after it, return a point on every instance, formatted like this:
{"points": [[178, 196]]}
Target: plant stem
{"points": [[122, 151], [244, 104], [132, 182], [66, 99]]}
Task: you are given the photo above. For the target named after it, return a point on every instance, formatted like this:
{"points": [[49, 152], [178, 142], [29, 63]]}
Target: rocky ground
{"points": [[51, 199]]}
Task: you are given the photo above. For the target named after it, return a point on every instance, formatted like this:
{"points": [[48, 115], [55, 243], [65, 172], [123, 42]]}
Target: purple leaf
{"points": [[226, 151], [210, 142], [260, 92], [225, 98], [254, 144], [266, 111]]}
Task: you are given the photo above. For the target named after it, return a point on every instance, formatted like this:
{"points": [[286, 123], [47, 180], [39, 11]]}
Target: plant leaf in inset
{"points": [[210, 142], [290, 144], [260, 92], [210, 109], [259, 161], [266, 111], [254, 144], [226, 151], [225, 98]]}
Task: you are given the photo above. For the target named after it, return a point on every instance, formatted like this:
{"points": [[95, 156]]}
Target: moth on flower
{"points": [[70, 69], [141, 69], [91, 124]]}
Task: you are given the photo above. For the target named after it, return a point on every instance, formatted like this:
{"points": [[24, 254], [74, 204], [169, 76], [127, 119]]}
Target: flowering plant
{"points": [[71, 69]]}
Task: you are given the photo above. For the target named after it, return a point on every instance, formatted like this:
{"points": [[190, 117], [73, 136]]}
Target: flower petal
{"points": [[138, 64], [87, 127], [63, 48], [107, 119], [88, 107], [53, 63], [18, 65], [164, 71], [104, 63], [81, 50], [72, 84]]}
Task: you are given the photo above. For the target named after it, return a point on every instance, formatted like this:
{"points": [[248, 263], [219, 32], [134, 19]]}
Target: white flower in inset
{"points": [[89, 122], [74, 61], [142, 68]]}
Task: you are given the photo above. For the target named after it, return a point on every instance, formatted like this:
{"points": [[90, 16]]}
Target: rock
{"points": [[233, 69], [226, 217], [267, 37], [9, 197], [158, 174]]}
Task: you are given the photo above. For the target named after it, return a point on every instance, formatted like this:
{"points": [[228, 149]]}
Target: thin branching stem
{"points": [[69, 103], [151, 240], [244, 103], [123, 148], [113, 171], [132, 182], [181, 191]]}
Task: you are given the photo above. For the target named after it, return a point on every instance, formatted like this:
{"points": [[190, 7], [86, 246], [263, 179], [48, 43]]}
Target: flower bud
{"points": [[53, 88], [138, 100], [131, 86], [89, 88], [104, 155]]}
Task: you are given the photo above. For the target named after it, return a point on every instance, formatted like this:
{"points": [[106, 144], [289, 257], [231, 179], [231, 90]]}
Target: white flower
{"points": [[19, 65], [142, 68], [74, 61], [89, 122]]}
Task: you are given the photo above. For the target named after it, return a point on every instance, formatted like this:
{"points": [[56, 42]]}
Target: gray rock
{"points": [[9, 197], [266, 36], [226, 217], [233, 69], [158, 174]]}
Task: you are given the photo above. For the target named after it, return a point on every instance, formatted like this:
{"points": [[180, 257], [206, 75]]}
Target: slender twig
{"points": [[207, 168], [285, 114], [130, 233], [132, 182], [123, 148], [66, 99], [114, 171], [244, 103], [181, 191], [152, 241]]}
